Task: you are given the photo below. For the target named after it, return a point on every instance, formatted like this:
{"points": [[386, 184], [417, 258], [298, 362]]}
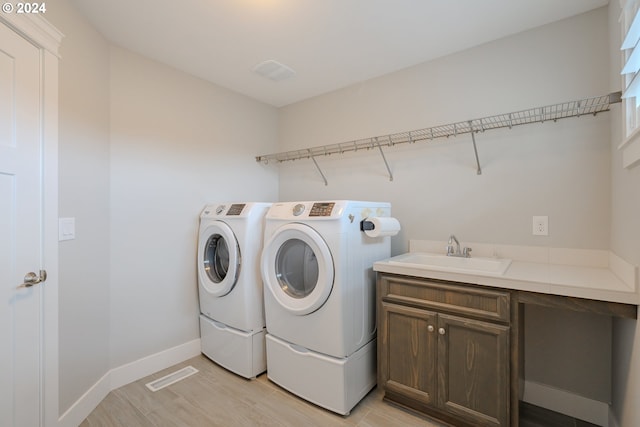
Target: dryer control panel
{"points": [[308, 210], [322, 209]]}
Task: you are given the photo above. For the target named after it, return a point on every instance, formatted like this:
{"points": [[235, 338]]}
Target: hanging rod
{"points": [[553, 112]]}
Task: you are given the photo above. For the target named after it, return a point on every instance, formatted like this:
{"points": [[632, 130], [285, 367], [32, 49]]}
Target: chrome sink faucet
{"points": [[457, 252]]}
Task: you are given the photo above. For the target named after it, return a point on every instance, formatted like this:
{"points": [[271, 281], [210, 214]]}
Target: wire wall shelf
{"points": [[555, 112]]}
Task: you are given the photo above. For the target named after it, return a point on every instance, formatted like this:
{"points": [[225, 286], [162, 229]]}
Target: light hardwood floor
{"points": [[217, 397]]}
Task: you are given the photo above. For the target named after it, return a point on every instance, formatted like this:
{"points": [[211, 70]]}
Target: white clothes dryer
{"points": [[232, 324], [319, 288]]}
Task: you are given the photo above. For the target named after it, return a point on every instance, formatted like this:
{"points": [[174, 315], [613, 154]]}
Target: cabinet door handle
{"points": [[441, 331], [430, 328]]}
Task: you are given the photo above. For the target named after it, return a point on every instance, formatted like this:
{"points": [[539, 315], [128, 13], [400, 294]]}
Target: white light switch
{"points": [[66, 229]]}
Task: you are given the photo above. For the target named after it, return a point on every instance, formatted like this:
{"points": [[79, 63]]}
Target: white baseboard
{"points": [[567, 403], [124, 375], [87, 403], [140, 368]]}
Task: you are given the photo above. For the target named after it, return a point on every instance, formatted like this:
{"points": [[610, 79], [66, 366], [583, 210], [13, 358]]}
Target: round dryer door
{"points": [[297, 268], [218, 259]]}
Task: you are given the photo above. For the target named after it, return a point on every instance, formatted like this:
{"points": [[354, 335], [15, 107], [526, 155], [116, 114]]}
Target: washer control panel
{"points": [[236, 209], [213, 211]]}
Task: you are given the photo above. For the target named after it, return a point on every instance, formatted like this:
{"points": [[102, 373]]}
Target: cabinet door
{"points": [[473, 370], [408, 343]]}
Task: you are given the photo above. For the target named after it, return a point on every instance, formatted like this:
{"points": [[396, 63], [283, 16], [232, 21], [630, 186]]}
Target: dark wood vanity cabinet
{"points": [[444, 349]]}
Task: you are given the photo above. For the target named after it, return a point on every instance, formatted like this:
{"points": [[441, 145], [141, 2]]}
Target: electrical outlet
{"points": [[540, 225]]}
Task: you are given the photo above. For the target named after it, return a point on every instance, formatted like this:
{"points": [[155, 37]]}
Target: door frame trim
{"points": [[37, 30]]}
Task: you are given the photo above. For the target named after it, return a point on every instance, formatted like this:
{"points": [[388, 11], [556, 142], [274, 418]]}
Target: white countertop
{"points": [[596, 283]]}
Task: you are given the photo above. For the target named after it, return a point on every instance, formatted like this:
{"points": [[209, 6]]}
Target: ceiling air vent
{"points": [[273, 70]]}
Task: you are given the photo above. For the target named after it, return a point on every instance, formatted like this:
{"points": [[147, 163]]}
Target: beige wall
{"points": [[556, 169], [83, 194], [177, 143], [561, 169], [143, 148]]}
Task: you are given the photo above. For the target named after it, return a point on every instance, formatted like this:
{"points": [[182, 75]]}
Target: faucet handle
{"points": [[465, 252]]}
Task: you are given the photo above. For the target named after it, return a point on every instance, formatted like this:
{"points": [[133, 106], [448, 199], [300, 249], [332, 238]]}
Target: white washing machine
{"points": [[319, 290], [232, 324]]}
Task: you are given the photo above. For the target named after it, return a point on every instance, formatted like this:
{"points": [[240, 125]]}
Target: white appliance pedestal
{"points": [[337, 384], [238, 351]]}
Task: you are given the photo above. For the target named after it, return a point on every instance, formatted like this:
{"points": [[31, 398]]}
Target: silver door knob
{"points": [[32, 278], [441, 331]]}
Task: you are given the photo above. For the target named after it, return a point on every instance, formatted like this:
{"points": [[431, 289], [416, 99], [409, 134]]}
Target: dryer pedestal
{"points": [[337, 384], [238, 351]]}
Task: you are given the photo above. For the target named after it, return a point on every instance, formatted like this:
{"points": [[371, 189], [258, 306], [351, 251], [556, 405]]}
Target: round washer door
{"points": [[297, 268], [218, 259]]}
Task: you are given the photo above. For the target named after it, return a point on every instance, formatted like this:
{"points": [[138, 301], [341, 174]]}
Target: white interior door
{"points": [[21, 231]]}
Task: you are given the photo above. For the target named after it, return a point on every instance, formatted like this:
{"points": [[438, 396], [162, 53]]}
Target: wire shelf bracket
{"points": [[475, 149], [324, 178], [384, 158], [554, 112]]}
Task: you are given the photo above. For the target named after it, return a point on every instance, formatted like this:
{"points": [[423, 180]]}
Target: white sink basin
{"points": [[429, 261]]}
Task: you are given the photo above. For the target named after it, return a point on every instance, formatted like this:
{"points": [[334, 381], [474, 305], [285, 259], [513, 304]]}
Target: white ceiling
{"points": [[329, 43]]}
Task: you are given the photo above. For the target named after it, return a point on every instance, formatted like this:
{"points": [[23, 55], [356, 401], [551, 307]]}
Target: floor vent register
{"points": [[174, 377]]}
